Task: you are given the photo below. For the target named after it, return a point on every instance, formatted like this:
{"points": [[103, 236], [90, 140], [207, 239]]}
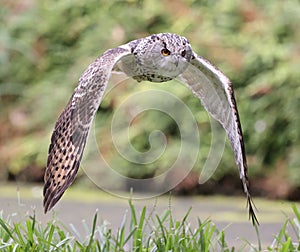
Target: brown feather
{"points": [[69, 137]]}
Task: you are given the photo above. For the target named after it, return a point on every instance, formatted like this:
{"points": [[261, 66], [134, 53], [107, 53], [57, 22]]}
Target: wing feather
{"points": [[216, 94], [72, 127]]}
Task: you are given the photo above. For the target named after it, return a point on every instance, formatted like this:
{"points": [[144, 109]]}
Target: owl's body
{"points": [[157, 58]]}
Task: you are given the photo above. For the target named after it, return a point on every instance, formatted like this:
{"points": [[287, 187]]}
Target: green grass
{"points": [[141, 232]]}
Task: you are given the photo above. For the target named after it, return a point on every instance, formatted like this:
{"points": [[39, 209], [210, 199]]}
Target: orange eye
{"points": [[165, 52]]}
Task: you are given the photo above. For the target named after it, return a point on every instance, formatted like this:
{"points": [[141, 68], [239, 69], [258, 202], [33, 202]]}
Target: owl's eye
{"points": [[165, 52], [183, 53]]}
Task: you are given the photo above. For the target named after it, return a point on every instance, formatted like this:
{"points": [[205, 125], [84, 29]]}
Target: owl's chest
{"points": [[151, 77], [142, 71]]}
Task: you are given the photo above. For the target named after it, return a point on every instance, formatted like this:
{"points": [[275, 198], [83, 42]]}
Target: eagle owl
{"points": [[156, 58]]}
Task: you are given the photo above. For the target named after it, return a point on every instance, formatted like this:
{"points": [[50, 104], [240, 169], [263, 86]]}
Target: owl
{"points": [[156, 58]]}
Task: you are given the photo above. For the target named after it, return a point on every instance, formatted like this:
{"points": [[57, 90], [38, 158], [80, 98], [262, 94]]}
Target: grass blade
{"points": [[93, 232], [8, 230]]}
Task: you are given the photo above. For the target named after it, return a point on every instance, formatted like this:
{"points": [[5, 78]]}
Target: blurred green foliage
{"points": [[46, 45]]}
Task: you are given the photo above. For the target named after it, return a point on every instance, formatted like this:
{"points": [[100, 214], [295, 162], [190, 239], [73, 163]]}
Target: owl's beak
{"points": [[176, 61]]}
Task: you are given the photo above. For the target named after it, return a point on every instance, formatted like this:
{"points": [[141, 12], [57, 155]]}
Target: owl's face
{"points": [[162, 57]]}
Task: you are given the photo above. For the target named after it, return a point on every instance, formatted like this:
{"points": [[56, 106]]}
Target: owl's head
{"points": [[162, 57]]}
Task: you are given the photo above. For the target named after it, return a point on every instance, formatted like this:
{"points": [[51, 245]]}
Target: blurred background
{"points": [[45, 46]]}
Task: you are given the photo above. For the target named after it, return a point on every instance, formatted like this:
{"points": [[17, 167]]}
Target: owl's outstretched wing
{"points": [[216, 94], [72, 127]]}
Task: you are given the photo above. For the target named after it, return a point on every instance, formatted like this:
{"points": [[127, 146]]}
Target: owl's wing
{"points": [[72, 127], [216, 94]]}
